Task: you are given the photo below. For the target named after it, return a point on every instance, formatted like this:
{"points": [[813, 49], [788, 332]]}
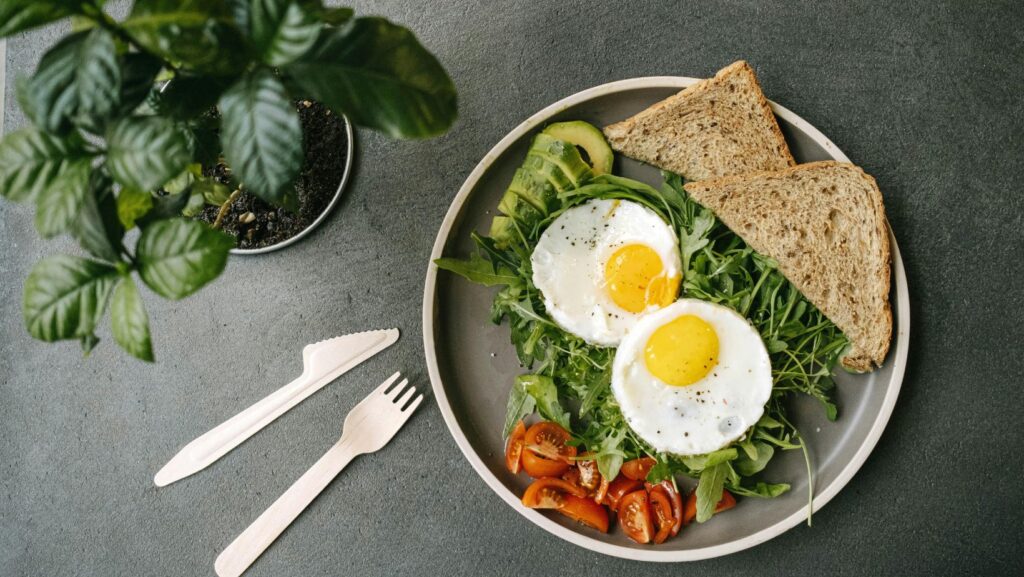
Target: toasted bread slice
{"points": [[825, 225], [721, 126]]}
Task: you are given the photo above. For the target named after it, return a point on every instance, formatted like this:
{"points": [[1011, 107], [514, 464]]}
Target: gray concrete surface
{"points": [[926, 95]]}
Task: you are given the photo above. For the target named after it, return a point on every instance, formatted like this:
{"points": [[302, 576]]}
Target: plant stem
{"points": [[225, 207]]}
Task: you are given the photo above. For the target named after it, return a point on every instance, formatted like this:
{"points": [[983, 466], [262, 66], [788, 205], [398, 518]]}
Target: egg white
{"points": [[569, 260], [709, 414]]}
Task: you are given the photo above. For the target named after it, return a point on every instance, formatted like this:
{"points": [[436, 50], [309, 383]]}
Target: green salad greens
{"points": [[570, 379]]}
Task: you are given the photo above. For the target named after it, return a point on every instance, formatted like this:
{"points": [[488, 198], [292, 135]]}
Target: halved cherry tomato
{"points": [[617, 489], [550, 493], [514, 448], [661, 507], [572, 475], [590, 477], [585, 511], [675, 500], [547, 453], [727, 502], [635, 517], [637, 469]]}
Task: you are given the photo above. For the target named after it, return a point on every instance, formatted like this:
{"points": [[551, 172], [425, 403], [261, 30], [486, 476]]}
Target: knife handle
{"points": [[248, 546]]}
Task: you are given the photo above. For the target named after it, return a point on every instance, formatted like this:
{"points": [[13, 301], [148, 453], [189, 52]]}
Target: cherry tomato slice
{"points": [[549, 493], [690, 513], [674, 499], [619, 488], [637, 469], [514, 448], [635, 517], [547, 453], [661, 506], [585, 511]]}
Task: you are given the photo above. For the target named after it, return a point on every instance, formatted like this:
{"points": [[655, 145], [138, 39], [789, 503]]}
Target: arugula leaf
{"points": [[709, 491], [702, 462], [748, 465], [610, 455], [543, 391], [479, 270], [520, 404], [761, 489]]}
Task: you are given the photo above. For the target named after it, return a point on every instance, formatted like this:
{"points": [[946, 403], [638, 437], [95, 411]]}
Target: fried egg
{"points": [[602, 265], [692, 377]]}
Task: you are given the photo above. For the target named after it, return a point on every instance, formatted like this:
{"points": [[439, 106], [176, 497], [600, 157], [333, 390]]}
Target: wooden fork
{"points": [[368, 427]]}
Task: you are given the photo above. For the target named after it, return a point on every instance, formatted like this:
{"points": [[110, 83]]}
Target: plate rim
{"points": [[901, 345]]}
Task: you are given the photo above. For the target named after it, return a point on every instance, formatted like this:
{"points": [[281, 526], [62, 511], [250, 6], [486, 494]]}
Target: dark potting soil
{"points": [[258, 224]]}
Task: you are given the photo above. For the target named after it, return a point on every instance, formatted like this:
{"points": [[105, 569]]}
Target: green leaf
{"points": [[609, 455], [57, 208], [129, 322], [696, 239], [335, 16], [138, 75], [199, 35], [145, 152], [762, 490], [213, 192], [261, 135], [98, 75], [50, 96], [177, 256], [544, 392], [132, 204], [709, 491], [65, 296], [190, 95], [379, 75], [281, 30], [21, 15], [711, 459], [31, 162], [520, 404], [98, 228], [479, 270], [747, 465]]}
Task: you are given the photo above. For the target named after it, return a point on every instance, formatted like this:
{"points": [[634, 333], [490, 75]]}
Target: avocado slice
{"points": [[503, 231], [564, 156], [587, 137]]}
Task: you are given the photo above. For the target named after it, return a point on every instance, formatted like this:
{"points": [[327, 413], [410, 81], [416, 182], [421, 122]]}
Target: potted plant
{"points": [[108, 152]]}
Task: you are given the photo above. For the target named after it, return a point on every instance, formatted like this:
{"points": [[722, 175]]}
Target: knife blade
{"points": [[322, 362]]}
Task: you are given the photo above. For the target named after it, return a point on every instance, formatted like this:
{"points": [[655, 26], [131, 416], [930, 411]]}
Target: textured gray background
{"points": [[926, 96]]}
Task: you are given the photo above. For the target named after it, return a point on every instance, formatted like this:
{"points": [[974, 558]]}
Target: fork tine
{"points": [[406, 396], [384, 386], [412, 407], [393, 393]]}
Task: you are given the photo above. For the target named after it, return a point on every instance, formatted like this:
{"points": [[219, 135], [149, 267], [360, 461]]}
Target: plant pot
{"points": [[275, 227]]}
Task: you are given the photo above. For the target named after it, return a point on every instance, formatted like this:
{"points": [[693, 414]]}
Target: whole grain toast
{"points": [[718, 127], [824, 223]]}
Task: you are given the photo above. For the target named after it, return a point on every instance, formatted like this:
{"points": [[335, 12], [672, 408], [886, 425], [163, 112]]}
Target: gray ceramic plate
{"points": [[472, 364]]}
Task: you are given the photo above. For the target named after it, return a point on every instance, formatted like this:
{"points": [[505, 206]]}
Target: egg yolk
{"points": [[635, 279], [683, 351]]}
